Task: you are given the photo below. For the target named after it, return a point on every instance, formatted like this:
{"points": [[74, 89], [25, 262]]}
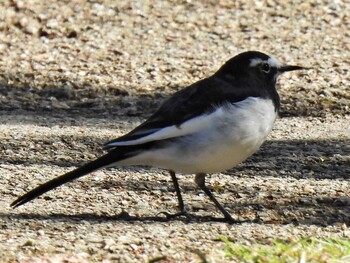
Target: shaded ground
{"points": [[74, 75]]}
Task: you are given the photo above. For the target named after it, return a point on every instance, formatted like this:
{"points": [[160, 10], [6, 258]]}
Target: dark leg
{"points": [[200, 181], [181, 205], [178, 192]]}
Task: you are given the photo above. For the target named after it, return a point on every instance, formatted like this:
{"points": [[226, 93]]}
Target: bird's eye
{"points": [[265, 67]]}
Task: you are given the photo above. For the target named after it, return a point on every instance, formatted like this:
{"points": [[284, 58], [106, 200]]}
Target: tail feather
{"points": [[103, 161]]}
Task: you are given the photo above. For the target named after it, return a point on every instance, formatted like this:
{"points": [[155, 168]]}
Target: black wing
{"points": [[199, 98]]}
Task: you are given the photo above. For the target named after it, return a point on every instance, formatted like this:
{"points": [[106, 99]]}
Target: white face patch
{"points": [[255, 61], [272, 62]]}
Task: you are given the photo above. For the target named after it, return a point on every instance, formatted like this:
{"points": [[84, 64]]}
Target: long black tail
{"points": [[103, 161]]}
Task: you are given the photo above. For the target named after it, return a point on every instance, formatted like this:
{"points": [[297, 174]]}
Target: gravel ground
{"points": [[74, 74]]}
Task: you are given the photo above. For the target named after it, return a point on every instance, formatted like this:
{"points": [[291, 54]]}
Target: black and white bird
{"points": [[208, 127]]}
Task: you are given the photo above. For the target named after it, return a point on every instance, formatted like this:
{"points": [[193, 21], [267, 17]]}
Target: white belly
{"points": [[235, 132]]}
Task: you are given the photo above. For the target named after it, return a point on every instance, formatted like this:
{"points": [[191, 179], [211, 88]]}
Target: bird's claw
{"points": [[230, 220], [188, 216]]}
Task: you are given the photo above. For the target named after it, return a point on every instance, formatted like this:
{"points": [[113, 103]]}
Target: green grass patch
{"points": [[303, 250]]}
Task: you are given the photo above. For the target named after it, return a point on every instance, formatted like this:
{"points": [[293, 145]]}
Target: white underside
{"points": [[210, 143]]}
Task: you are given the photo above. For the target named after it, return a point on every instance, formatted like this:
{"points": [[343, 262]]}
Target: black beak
{"points": [[286, 68]]}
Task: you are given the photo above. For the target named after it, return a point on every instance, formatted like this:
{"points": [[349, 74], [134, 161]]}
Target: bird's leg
{"points": [[183, 211], [178, 191], [200, 181]]}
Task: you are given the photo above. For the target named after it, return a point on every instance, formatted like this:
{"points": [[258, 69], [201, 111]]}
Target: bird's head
{"points": [[254, 67]]}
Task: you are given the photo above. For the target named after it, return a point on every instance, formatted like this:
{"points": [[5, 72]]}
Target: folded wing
{"points": [[186, 112]]}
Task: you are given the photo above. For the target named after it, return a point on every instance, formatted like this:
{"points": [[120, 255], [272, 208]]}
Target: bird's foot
{"points": [[184, 212], [229, 219]]}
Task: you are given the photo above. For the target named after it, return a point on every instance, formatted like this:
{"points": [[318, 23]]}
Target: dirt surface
{"points": [[75, 74]]}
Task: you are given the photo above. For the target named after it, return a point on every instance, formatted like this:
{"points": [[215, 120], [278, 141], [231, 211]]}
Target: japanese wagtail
{"points": [[208, 127]]}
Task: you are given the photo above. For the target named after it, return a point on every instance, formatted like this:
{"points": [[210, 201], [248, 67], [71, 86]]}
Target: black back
{"points": [[235, 81]]}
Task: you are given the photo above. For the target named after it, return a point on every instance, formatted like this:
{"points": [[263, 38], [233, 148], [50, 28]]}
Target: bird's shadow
{"points": [[333, 211], [122, 217]]}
